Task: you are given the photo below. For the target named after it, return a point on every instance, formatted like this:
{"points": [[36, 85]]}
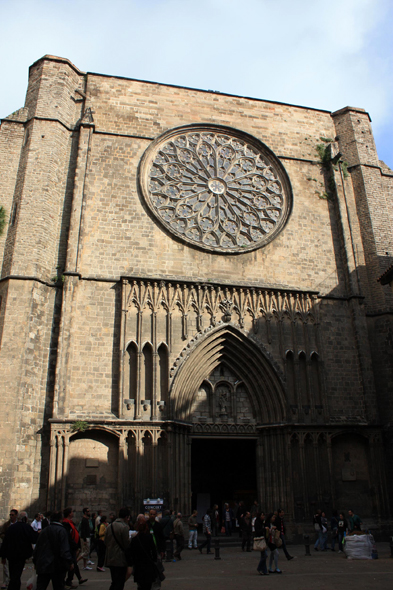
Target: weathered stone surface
{"points": [[108, 318]]}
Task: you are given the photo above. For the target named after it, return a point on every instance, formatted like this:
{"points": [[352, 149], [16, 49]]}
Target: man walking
{"points": [[52, 556], [85, 533], [193, 530], [179, 535], [117, 540], [17, 547], [74, 542], [207, 530]]}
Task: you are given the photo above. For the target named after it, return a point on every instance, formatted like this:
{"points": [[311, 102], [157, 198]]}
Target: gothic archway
{"points": [[226, 345]]}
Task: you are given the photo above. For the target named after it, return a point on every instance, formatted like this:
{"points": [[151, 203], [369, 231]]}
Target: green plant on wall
{"points": [[2, 219], [79, 426]]}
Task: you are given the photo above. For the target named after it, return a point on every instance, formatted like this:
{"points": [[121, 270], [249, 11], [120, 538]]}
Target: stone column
{"points": [[65, 469], [52, 472]]}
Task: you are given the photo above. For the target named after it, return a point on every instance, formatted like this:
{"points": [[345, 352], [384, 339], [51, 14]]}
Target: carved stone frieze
{"points": [[218, 428]]}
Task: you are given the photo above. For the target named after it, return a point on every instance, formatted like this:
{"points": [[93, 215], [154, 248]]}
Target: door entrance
{"points": [[223, 470]]}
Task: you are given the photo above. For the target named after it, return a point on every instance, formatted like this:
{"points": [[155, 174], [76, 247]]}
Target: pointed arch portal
{"points": [[228, 346]]}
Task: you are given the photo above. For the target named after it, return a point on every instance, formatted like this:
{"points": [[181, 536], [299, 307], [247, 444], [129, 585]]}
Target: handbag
{"points": [[223, 530], [259, 544], [277, 538], [31, 583]]}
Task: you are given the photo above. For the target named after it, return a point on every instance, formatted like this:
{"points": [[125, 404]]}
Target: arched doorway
{"points": [[225, 391]]}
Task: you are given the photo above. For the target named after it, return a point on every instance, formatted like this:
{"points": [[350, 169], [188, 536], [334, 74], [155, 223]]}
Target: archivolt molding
{"points": [[227, 344], [193, 342]]}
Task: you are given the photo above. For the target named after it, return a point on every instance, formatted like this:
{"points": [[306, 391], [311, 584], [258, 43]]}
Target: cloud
{"points": [[314, 53]]}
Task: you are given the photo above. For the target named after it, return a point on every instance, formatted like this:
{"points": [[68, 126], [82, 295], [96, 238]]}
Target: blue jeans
{"points": [[228, 528], [319, 541], [193, 538]]}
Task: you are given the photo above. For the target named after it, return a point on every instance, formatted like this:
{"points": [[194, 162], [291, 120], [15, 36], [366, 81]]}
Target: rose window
{"points": [[216, 189]]}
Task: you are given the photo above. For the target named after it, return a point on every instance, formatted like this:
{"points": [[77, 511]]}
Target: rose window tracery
{"points": [[214, 188]]}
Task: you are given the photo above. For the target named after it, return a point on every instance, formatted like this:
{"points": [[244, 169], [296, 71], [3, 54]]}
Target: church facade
{"points": [[190, 304]]}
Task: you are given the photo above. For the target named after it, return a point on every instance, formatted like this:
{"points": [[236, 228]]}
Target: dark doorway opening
{"points": [[224, 469]]}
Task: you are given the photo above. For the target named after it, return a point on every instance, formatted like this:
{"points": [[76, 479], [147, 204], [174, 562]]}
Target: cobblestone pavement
{"points": [[237, 571]]}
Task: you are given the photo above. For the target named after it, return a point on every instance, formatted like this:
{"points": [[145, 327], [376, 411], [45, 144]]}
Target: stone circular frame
{"points": [[216, 188]]}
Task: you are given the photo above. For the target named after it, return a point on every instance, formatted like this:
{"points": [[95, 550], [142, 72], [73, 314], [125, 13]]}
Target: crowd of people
{"points": [[61, 549], [340, 526]]}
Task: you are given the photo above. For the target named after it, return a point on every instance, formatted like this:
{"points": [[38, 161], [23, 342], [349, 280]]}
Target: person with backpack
{"points": [[74, 541]]}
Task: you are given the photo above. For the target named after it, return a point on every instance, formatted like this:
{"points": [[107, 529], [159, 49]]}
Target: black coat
{"points": [[18, 541], [260, 528], [143, 555], [52, 552]]}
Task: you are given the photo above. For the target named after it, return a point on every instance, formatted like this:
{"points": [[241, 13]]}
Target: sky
{"points": [[315, 53]]}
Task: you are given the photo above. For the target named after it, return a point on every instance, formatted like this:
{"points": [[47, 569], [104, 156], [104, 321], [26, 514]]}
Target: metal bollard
{"points": [[217, 549], [307, 545], [169, 550], [391, 547]]}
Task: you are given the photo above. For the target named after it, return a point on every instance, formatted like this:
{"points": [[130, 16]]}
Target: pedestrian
{"points": [[272, 544], [46, 520], [117, 541], [245, 523], [260, 531], [17, 547], [281, 527], [354, 523], [85, 527], [216, 521], [143, 555], [101, 547], [334, 528], [227, 517], [241, 511], [342, 530], [167, 529], [93, 540], [52, 556], [3, 529], [159, 541], [324, 538], [36, 525], [74, 542], [193, 530], [318, 529], [178, 530], [207, 531]]}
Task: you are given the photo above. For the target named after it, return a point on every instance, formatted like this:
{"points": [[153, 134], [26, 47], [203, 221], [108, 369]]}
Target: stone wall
{"points": [[103, 311]]}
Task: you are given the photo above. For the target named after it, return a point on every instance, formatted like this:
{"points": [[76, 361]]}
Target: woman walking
{"points": [[101, 547], [143, 555], [260, 531], [271, 543]]}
